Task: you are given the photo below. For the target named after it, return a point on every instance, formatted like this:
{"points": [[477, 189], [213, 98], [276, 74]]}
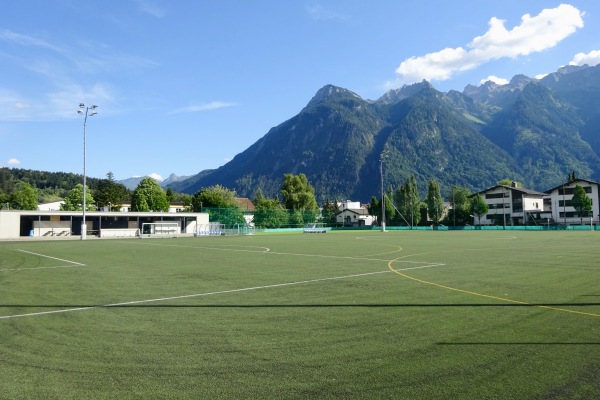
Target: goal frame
{"points": [[160, 230]]}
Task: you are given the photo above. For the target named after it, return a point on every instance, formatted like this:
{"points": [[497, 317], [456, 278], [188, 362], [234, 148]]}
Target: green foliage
{"points": [[298, 194], [108, 192], [57, 181], [220, 204], [479, 207], [390, 210], [408, 202], [216, 196], [170, 195], [269, 212], [375, 208], [581, 202], [74, 201], [226, 216], [460, 212], [24, 197], [149, 196], [435, 203], [329, 212]]}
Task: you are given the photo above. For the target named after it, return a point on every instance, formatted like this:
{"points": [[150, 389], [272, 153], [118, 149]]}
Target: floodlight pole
{"points": [[381, 159], [85, 114]]}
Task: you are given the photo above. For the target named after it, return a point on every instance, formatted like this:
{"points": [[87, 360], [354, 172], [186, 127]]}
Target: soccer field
{"points": [[342, 315]]}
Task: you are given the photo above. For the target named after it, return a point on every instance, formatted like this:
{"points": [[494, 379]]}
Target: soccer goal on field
{"points": [[315, 227], [160, 230]]}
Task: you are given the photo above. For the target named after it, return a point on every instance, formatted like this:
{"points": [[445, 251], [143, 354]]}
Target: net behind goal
{"points": [[160, 230]]}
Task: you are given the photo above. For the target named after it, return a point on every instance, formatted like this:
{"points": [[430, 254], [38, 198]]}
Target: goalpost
{"points": [[160, 230]]}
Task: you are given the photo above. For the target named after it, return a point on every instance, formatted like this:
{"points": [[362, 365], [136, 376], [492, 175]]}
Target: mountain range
{"points": [[534, 131], [132, 183]]}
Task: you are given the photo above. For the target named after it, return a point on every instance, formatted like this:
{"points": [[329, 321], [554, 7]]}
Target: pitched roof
{"points": [[245, 204], [571, 182], [517, 189]]}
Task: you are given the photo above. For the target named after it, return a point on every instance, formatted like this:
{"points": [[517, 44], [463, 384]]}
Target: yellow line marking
{"points": [[481, 294]]}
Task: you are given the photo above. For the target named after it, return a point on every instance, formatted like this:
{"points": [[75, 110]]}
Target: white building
{"points": [[352, 213], [16, 224], [561, 199], [512, 205]]}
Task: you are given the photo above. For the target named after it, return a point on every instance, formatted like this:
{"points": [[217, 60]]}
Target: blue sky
{"points": [[183, 86]]}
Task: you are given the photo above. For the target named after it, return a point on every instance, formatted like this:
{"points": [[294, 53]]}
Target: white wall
{"points": [[9, 224]]}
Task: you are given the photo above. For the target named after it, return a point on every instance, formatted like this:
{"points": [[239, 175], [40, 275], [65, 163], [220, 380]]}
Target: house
{"points": [[561, 198], [513, 205], [353, 214]]}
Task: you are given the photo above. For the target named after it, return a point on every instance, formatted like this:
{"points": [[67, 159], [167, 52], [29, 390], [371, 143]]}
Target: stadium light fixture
{"points": [[85, 113]]}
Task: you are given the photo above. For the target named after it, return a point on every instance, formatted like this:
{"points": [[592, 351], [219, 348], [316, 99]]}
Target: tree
{"points": [[509, 182], [149, 196], [110, 193], [581, 202], [329, 212], [73, 202], [269, 212], [390, 210], [459, 198], [375, 208], [407, 200], [479, 207], [24, 197], [435, 204], [216, 196], [170, 195], [299, 196], [220, 204]]}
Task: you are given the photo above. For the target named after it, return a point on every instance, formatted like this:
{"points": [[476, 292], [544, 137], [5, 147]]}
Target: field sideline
{"points": [[353, 314]]}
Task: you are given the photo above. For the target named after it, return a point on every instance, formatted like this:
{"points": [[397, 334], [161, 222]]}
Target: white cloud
{"points": [[495, 79], [592, 58], [13, 161], [214, 105], [156, 176], [150, 8], [534, 34], [540, 76], [317, 12], [25, 40]]}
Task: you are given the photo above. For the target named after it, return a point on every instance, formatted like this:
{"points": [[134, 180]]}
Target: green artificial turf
{"points": [[398, 315]]}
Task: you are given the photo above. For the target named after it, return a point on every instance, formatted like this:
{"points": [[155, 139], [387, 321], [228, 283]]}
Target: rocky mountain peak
{"points": [[331, 92]]}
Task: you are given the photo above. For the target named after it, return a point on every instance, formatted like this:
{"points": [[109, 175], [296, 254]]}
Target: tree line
{"points": [[297, 206]]}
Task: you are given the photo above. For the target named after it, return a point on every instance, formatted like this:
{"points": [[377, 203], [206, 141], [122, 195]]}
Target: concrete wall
{"points": [[9, 224]]}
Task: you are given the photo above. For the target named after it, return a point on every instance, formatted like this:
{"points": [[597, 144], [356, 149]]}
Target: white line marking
{"points": [[355, 258], [187, 296], [53, 258]]}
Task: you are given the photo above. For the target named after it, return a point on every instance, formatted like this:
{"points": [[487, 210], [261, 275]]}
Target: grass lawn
{"points": [[342, 315]]}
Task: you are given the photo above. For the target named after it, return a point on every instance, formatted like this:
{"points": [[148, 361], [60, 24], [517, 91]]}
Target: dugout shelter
{"points": [[15, 224]]}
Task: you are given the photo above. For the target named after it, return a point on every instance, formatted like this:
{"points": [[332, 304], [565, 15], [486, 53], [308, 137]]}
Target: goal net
{"points": [[160, 230], [315, 227]]}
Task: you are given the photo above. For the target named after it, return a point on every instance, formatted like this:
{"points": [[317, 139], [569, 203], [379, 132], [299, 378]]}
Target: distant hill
{"points": [[533, 131]]}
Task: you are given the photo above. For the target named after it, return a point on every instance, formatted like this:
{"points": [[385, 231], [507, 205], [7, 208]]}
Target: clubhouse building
{"points": [[54, 224]]}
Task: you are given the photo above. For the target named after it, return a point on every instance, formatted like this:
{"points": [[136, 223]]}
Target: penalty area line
{"points": [[53, 258], [188, 296]]}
